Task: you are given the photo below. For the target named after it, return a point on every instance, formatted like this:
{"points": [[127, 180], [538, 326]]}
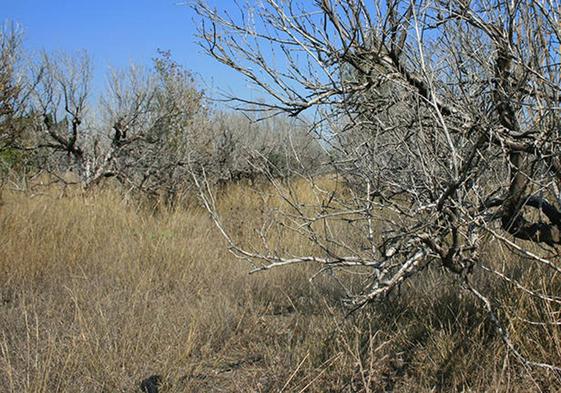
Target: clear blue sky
{"points": [[118, 32]]}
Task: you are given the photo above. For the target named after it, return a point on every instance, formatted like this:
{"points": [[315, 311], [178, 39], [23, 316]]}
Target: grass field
{"points": [[97, 293]]}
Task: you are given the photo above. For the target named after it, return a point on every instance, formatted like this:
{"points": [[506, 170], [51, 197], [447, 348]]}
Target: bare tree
{"points": [[9, 87], [441, 117], [169, 127], [15, 88], [60, 102]]}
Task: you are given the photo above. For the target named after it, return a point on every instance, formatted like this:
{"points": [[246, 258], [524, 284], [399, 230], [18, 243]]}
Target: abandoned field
{"points": [[97, 294]]}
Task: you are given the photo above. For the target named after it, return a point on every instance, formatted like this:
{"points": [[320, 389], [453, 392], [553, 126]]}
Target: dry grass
{"points": [[97, 294]]}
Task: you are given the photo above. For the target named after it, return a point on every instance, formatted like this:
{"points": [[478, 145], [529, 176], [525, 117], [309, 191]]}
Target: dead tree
{"points": [[441, 118]]}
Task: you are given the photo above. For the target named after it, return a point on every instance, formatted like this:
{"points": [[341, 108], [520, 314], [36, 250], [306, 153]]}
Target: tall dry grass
{"points": [[97, 293]]}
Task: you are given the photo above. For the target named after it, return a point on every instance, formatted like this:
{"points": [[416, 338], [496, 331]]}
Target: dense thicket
{"points": [[442, 120]]}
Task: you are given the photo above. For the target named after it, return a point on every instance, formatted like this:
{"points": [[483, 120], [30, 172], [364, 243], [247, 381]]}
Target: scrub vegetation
{"points": [[383, 216]]}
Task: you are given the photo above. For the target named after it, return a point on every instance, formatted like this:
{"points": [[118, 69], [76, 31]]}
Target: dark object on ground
{"points": [[151, 384]]}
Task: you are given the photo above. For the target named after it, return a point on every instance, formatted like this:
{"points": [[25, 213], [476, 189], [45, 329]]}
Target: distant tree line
{"points": [[150, 129]]}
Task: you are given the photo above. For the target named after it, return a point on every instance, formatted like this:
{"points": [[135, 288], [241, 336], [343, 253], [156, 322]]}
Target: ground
{"points": [[99, 292]]}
